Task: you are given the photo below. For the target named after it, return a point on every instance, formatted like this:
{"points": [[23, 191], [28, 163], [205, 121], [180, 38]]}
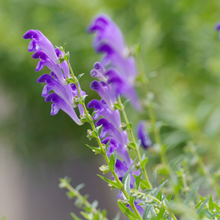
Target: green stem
{"points": [[134, 141], [101, 147], [83, 200]]}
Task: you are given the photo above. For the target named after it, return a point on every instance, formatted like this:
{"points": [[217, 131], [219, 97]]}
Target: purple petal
{"points": [[143, 136], [109, 129], [63, 91], [64, 65], [45, 60], [120, 86], [104, 91], [40, 42], [103, 110], [59, 103], [217, 26], [106, 30], [98, 66], [96, 74]]}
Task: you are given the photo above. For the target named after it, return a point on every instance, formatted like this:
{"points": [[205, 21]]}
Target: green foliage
{"points": [[126, 211]]}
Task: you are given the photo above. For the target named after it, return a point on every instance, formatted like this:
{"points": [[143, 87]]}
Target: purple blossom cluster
{"points": [[120, 67], [115, 75], [64, 94]]}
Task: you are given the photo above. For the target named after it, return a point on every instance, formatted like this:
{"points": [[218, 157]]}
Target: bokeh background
{"points": [[181, 56]]}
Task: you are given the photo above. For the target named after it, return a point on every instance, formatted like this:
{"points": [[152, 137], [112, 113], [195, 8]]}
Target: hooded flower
{"points": [[120, 67], [143, 136], [64, 95]]}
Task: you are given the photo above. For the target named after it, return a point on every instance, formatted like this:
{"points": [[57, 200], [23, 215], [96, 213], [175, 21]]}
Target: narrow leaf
{"points": [[127, 184], [146, 211], [126, 211], [128, 171], [202, 205], [117, 217], [138, 180], [112, 163], [80, 186], [74, 216], [144, 162], [159, 188], [113, 183]]}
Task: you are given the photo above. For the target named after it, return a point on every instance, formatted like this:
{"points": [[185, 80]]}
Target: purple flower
{"points": [[110, 41], [64, 95], [143, 136], [102, 110], [45, 60], [121, 151], [40, 42], [105, 92], [106, 31], [109, 129], [59, 103]]}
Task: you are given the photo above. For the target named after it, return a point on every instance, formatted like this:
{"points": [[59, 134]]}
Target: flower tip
{"points": [[143, 136], [217, 27], [94, 73], [31, 34]]}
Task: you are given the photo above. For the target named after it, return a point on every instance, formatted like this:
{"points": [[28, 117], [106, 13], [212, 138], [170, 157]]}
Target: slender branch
{"points": [[102, 148], [158, 201], [134, 140], [83, 200]]}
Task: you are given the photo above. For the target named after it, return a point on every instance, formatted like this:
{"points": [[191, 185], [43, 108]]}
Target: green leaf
{"points": [[80, 186], [112, 183], [159, 188], [202, 205], [95, 204], [86, 215], [112, 163], [70, 194], [107, 145], [127, 184], [131, 145], [144, 184], [126, 211], [74, 216], [94, 113], [98, 130], [125, 102], [118, 106], [64, 182], [211, 207], [70, 80], [83, 99], [95, 149], [129, 125], [137, 181], [128, 171], [96, 217], [117, 217], [80, 75], [173, 163], [144, 162]]}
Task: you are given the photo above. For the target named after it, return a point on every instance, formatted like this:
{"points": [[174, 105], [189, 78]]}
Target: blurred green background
{"points": [[179, 47]]}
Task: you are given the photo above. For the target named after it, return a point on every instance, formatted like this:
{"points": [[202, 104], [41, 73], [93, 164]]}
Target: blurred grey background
{"points": [[178, 44]]}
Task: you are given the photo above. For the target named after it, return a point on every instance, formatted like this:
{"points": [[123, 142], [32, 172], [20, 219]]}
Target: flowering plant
{"points": [[115, 76]]}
